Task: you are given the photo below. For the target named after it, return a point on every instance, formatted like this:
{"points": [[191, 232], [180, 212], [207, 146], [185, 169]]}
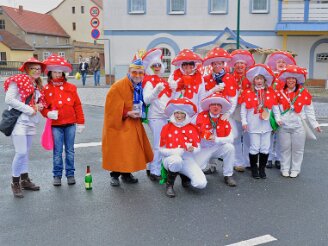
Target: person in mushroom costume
{"points": [[241, 60], [20, 89], [187, 81], [257, 103], [65, 110], [295, 103], [179, 143], [157, 93], [277, 61], [216, 135]]}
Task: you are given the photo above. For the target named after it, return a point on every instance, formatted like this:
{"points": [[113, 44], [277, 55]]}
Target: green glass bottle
{"points": [[88, 179]]}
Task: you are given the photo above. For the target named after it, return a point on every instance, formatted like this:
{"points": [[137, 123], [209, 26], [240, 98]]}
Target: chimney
{"points": [[20, 9]]}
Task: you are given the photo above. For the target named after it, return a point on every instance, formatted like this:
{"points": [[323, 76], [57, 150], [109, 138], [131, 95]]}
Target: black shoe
{"points": [[185, 181], [269, 164], [114, 181], [148, 172], [262, 174], [154, 177], [209, 170], [129, 179], [170, 191], [277, 164]]}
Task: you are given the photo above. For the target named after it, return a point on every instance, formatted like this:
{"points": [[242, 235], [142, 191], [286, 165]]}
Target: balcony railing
{"points": [[303, 11]]}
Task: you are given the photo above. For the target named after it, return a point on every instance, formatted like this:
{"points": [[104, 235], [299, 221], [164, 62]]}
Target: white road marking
{"points": [[255, 241], [84, 145]]}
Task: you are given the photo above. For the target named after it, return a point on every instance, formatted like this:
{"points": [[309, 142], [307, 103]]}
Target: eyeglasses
{"points": [[156, 65], [137, 73], [35, 68], [188, 63]]}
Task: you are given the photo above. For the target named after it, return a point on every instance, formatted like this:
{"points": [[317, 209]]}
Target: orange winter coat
{"points": [[125, 146]]}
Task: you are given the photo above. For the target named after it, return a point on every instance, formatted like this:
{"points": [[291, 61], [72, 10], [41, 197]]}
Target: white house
{"points": [[300, 26]]}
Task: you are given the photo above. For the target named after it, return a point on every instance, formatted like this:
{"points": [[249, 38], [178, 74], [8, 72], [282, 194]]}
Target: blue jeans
{"points": [[63, 136], [84, 77], [96, 76]]}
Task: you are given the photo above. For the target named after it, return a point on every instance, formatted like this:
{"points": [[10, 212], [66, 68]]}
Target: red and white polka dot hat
{"points": [[293, 71], [262, 69], [31, 60], [186, 55], [216, 98], [216, 54], [58, 64], [272, 59], [180, 104], [242, 56]]}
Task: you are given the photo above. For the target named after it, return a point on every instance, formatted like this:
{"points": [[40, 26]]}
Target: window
{"points": [[177, 7], [73, 10], [82, 9], [46, 54], [137, 6], [218, 6], [3, 58], [74, 26], [322, 57], [61, 54], [2, 24], [260, 6], [167, 61]]}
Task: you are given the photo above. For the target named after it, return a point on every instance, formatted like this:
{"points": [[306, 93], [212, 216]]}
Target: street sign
{"points": [[95, 33], [94, 11], [94, 22]]}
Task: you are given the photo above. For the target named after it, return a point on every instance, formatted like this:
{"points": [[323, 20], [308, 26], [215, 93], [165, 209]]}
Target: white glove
{"points": [[79, 128], [53, 115], [174, 84], [158, 88], [225, 116], [216, 88]]}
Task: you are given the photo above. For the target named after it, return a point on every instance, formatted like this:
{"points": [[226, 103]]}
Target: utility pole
{"points": [[238, 22]]}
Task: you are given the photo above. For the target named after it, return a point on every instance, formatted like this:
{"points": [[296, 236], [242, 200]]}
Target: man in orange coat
{"points": [[125, 146]]}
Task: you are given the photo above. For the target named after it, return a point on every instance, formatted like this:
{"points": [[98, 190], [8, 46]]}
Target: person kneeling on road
{"points": [[179, 143], [216, 135]]}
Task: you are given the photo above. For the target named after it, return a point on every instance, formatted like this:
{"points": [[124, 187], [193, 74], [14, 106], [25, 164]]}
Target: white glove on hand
{"points": [[216, 88], [53, 115], [174, 84], [158, 88], [79, 128], [225, 116]]}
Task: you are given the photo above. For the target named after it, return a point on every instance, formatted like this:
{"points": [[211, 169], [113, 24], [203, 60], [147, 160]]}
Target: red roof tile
{"points": [[12, 42], [32, 22]]}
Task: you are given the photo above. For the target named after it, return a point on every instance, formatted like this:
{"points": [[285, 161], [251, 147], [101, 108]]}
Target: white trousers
{"points": [[188, 167], [156, 126], [292, 142], [241, 144], [274, 152], [225, 151], [22, 145], [259, 143]]}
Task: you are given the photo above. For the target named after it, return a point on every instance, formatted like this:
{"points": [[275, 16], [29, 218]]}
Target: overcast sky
{"points": [[41, 6]]}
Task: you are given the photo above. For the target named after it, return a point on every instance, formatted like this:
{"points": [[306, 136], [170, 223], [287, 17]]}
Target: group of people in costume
{"points": [[57, 100], [195, 118]]}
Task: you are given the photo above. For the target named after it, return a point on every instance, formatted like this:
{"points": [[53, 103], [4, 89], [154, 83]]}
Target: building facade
{"points": [[300, 26]]}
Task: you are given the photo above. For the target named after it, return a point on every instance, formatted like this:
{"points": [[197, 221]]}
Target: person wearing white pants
{"points": [[256, 106], [296, 104], [24, 93], [216, 135], [241, 60], [180, 141], [156, 93]]}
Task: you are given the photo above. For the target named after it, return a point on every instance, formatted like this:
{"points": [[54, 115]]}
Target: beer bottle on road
{"points": [[88, 179]]}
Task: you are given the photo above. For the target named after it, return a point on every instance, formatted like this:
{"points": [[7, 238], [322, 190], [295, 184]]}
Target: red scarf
{"points": [[188, 84], [304, 98]]}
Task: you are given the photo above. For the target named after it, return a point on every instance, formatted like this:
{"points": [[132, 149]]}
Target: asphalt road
{"points": [[294, 211]]}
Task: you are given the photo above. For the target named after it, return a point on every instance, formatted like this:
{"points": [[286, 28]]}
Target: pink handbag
{"points": [[47, 140]]}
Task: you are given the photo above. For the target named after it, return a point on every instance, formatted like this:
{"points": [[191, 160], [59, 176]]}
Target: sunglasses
{"points": [[137, 73], [188, 63], [156, 65]]}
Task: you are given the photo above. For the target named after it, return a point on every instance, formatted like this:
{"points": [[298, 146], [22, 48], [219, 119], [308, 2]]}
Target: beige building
{"points": [[75, 18]]}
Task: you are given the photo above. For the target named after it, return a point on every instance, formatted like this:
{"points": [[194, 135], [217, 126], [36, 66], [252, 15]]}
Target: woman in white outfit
{"points": [[277, 61], [180, 141], [257, 103], [20, 88], [156, 94], [295, 102]]}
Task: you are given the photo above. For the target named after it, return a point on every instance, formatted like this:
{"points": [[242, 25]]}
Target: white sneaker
{"points": [[285, 173], [293, 174]]}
